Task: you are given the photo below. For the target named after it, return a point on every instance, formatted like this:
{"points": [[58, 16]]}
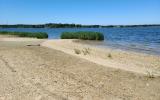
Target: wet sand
{"points": [[41, 73]]}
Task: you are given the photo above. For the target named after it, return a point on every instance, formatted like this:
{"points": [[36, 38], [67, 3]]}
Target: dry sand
{"points": [[40, 73]]}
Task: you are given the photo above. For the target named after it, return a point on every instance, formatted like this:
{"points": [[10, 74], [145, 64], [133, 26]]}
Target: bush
{"points": [[82, 35], [39, 35]]}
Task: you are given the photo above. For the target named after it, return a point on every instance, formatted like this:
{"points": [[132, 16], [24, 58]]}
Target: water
{"points": [[139, 39]]}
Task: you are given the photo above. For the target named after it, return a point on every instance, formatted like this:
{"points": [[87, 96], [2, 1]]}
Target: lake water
{"points": [[139, 39]]}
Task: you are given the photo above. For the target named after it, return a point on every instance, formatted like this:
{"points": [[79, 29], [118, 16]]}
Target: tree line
{"points": [[60, 25]]}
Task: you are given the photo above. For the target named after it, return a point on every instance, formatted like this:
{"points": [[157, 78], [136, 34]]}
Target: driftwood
{"points": [[33, 45]]}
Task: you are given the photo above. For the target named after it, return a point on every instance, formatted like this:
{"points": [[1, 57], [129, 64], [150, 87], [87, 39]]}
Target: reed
{"points": [[39, 35], [82, 35]]}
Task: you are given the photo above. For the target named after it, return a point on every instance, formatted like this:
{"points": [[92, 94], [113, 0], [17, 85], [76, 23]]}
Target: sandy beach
{"points": [[125, 60], [33, 69]]}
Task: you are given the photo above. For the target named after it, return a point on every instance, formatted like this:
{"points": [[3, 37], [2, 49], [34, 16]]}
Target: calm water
{"points": [[140, 39]]}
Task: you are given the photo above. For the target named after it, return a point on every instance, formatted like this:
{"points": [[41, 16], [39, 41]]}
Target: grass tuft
{"points": [[77, 51], [109, 55], [86, 51], [150, 74]]}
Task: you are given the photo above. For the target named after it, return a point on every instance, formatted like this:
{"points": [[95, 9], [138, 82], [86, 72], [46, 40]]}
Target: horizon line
{"points": [[84, 24]]}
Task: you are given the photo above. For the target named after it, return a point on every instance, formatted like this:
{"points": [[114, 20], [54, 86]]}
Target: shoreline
{"points": [[131, 61], [126, 60], [103, 45]]}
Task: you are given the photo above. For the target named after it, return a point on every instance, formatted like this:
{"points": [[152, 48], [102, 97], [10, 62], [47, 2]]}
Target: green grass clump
{"points": [[82, 35], [39, 35]]}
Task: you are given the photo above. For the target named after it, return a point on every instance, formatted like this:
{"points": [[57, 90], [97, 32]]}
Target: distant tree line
{"points": [[59, 25]]}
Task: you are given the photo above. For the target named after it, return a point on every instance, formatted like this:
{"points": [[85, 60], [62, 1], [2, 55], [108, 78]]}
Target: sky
{"points": [[102, 12]]}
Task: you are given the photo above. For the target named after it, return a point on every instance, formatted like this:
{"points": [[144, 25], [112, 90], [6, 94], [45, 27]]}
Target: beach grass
{"points": [[150, 74], [84, 35], [109, 55], [39, 35], [77, 51]]}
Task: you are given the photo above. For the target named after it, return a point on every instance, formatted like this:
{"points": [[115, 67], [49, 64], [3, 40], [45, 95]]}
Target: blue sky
{"points": [[104, 12]]}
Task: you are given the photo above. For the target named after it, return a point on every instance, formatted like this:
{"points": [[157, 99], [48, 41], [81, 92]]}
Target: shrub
{"points": [[82, 35], [39, 35]]}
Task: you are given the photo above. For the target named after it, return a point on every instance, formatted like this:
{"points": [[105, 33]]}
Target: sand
{"points": [[125, 60], [42, 73]]}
